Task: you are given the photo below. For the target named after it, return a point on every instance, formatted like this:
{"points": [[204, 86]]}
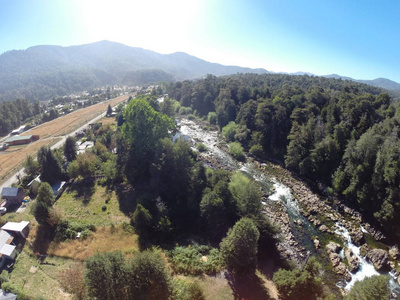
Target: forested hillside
{"points": [[337, 132], [42, 72]]}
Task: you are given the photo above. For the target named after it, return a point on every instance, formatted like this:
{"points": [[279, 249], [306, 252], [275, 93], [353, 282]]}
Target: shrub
{"points": [[185, 110], [212, 118], [189, 260], [201, 147], [187, 290], [104, 207], [191, 117], [257, 150], [236, 150], [229, 131]]}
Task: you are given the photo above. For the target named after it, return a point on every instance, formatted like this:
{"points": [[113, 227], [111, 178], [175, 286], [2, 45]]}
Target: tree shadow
{"points": [[83, 189], [126, 196], [250, 287], [44, 236]]}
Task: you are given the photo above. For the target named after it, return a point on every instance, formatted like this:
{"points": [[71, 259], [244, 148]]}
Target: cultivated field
{"points": [[50, 133]]}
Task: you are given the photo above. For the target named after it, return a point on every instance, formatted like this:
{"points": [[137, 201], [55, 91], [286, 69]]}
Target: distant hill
{"points": [[379, 82], [42, 72]]}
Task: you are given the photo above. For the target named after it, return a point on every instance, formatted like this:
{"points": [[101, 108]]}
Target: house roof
{"points": [[7, 296], [7, 250], [9, 192], [5, 238], [14, 226]]}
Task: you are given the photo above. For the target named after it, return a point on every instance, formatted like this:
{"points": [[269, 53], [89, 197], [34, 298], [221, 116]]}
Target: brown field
{"points": [[12, 159], [117, 239], [68, 123]]}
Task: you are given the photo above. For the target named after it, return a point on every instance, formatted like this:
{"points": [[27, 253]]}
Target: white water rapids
{"points": [[210, 138]]}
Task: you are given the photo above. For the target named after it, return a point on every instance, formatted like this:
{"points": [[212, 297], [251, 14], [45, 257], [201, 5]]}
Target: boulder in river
{"points": [[394, 252], [352, 259], [379, 257], [333, 247]]}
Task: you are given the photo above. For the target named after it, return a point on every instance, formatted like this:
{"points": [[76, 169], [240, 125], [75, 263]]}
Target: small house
{"points": [[6, 249], [12, 195], [21, 228]]}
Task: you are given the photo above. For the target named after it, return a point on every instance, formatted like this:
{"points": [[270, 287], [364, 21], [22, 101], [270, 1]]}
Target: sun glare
{"points": [[161, 26]]}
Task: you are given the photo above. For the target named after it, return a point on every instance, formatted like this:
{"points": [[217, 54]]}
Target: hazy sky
{"points": [[360, 39]]}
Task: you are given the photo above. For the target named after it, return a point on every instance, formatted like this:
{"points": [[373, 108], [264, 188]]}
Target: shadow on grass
{"points": [[84, 190], [249, 287], [44, 236]]}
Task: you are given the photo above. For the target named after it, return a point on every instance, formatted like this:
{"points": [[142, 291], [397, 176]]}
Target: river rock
{"points": [[323, 228], [341, 269], [379, 258], [333, 247], [364, 249], [317, 243], [335, 259], [357, 236], [394, 252], [352, 259]]}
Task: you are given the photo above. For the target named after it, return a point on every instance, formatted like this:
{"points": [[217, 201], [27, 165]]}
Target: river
{"points": [[299, 227]]}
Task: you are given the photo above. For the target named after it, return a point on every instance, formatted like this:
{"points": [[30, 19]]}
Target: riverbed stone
{"points": [[379, 257], [323, 228], [394, 252], [335, 259], [333, 247], [317, 243], [352, 259], [364, 249]]}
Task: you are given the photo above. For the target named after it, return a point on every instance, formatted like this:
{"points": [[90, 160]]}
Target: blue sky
{"points": [[360, 39]]}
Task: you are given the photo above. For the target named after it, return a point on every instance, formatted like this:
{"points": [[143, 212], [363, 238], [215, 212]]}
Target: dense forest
{"points": [[340, 133]]}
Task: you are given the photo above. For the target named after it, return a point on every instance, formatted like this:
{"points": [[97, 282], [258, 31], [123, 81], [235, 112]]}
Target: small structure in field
{"points": [[6, 249], [17, 228], [12, 196], [21, 140]]}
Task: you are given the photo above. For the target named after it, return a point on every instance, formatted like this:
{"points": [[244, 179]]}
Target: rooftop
{"points": [[14, 226], [9, 192]]}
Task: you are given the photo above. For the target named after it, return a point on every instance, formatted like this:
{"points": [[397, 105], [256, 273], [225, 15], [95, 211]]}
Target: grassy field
{"points": [[12, 159]]}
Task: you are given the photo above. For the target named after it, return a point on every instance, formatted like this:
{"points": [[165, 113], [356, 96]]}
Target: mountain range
{"points": [[42, 72]]}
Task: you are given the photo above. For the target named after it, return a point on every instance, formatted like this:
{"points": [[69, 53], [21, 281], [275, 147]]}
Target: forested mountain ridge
{"points": [[341, 133], [42, 72]]}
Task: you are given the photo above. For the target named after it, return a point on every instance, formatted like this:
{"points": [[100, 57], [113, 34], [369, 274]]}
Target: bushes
{"points": [[229, 131], [212, 118], [299, 284], [185, 110], [201, 147], [66, 230], [195, 260], [187, 290], [236, 150]]}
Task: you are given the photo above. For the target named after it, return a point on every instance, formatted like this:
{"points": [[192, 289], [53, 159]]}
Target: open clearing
{"points": [[50, 133]]}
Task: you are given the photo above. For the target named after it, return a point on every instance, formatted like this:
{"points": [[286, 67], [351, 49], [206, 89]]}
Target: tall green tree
{"points": [[51, 170], [142, 130], [239, 248], [70, 148], [44, 202]]}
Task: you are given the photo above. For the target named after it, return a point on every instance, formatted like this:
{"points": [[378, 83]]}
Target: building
{"points": [[20, 140], [12, 195], [17, 229], [7, 251]]}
